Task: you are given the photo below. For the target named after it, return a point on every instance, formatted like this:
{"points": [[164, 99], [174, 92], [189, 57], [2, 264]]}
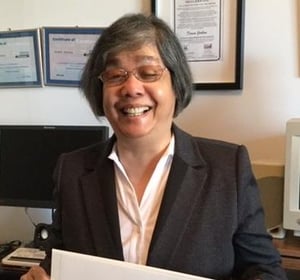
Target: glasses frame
{"points": [[133, 72]]}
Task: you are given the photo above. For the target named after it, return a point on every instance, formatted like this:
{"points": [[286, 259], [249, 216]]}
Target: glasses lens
{"points": [[114, 76], [145, 73], [148, 73]]}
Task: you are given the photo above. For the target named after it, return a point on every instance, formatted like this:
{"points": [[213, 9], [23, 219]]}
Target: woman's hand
{"points": [[35, 273]]}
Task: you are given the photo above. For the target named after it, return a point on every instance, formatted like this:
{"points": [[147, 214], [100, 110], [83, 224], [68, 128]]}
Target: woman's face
{"points": [[143, 106]]}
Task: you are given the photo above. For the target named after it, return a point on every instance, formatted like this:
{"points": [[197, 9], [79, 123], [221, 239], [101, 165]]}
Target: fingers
{"points": [[35, 273]]}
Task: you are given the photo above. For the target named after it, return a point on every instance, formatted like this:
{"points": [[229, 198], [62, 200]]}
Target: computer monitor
{"points": [[28, 155], [291, 211]]}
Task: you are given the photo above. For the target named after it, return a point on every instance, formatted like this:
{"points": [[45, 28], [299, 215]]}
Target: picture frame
{"points": [[219, 69], [20, 58], [65, 52]]}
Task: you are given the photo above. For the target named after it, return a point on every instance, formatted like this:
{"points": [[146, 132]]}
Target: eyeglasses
{"points": [[145, 73]]}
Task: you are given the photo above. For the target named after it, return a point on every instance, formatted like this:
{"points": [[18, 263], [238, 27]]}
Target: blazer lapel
{"points": [[98, 190], [186, 180]]}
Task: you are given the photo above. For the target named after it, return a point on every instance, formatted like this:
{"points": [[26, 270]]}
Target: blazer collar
{"points": [[186, 149]]}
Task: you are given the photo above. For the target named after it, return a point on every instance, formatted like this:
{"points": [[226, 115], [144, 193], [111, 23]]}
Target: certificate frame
{"points": [[20, 58], [225, 73], [65, 52]]}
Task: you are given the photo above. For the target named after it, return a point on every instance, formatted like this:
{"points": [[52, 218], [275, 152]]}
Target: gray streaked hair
{"points": [[128, 33]]}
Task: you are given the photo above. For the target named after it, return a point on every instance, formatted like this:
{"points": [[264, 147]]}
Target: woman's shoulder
{"points": [[213, 151], [184, 138]]}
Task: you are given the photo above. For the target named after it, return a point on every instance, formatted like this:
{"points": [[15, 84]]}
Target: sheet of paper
{"points": [[69, 265]]}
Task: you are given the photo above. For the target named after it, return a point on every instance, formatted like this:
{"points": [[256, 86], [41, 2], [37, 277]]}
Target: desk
{"points": [[11, 273], [289, 249]]}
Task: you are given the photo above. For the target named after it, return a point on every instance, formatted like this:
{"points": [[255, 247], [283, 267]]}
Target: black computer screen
{"points": [[28, 155]]}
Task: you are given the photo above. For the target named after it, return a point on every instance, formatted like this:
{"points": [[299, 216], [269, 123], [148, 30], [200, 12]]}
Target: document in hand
{"points": [[69, 265]]}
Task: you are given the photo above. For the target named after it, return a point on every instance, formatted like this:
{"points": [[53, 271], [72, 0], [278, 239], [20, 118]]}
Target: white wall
{"points": [[50, 105], [255, 116]]}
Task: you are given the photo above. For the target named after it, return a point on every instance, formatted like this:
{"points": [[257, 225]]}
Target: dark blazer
{"points": [[210, 223]]}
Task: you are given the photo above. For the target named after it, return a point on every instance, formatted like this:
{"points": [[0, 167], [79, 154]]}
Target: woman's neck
{"points": [[143, 148], [139, 159]]}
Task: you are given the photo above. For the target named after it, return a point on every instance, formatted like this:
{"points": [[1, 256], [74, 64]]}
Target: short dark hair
{"points": [[130, 32]]}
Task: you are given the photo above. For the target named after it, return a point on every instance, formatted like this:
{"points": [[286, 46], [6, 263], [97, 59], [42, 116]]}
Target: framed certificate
{"points": [[211, 34], [65, 52], [20, 59]]}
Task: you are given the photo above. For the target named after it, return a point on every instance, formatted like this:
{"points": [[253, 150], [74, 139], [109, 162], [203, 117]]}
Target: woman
{"points": [[153, 194]]}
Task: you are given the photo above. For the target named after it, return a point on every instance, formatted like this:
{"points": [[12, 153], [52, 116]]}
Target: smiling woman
{"points": [[153, 193]]}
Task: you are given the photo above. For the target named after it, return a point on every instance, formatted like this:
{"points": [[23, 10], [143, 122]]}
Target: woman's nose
{"points": [[132, 86]]}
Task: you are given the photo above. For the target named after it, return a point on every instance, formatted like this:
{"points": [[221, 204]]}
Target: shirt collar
{"points": [[169, 152]]}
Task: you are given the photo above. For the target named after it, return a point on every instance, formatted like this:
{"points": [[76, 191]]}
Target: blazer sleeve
{"points": [[255, 254]]}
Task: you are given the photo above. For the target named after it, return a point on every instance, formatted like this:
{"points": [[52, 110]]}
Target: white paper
{"points": [[69, 265]]}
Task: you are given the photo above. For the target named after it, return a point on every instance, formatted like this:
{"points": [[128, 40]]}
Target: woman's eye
{"points": [[148, 73], [115, 76]]}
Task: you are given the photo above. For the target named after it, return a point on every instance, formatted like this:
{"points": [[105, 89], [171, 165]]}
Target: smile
{"points": [[136, 111]]}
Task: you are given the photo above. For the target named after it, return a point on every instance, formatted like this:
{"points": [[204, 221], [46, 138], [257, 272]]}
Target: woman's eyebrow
{"points": [[147, 58], [114, 61]]}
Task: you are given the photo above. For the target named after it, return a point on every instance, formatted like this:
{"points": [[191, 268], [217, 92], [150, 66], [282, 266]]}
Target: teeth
{"points": [[135, 111]]}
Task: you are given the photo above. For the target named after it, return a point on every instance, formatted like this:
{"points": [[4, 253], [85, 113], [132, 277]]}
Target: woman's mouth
{"points": [[136, 111]]}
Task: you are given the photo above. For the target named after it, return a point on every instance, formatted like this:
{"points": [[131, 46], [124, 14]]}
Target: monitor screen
{"points": [[28, 155]]}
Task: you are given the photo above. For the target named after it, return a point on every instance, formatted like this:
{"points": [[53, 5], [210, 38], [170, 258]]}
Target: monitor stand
{"points": [[278, 232], [297, 233]]}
